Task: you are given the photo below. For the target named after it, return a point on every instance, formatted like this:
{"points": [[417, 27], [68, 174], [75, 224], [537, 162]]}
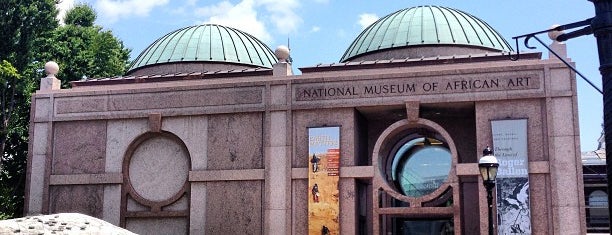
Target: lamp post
{"points": [[602, 29], [488, 170]]}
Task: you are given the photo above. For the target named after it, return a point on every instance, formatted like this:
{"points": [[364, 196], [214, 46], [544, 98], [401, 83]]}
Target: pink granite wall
{"points": [[234, 207], [299, 205], [462, 130], [79, 147], [346, 119], [235, 141], [470, 221], [174, 226], [532, 110], [86, 199]]}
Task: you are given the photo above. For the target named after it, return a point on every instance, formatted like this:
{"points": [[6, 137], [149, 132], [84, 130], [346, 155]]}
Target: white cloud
{"points": [[282, 13], [62, 7], [112, 10], [315, 29], [254, 16], [366, 19], [240, 16]]}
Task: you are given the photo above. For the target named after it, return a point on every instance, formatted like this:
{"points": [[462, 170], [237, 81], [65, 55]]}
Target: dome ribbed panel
{"points": [[426, 25], [206, 43]]}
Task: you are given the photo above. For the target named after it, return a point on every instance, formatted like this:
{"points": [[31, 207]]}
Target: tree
{"points": [[85, 50], [22, 24], [8, 77], [80, 15], [30, 36]]}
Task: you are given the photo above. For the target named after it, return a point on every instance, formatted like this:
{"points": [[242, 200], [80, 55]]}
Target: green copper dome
{"points": [[205, 44], [426, 26]]}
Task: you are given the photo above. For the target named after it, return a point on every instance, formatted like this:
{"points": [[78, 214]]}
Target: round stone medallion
{"points": [[158, 168]]}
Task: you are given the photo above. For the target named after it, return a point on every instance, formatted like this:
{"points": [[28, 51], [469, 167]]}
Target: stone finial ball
{"points": [[51, 68], [554, 34], [282, 53]]}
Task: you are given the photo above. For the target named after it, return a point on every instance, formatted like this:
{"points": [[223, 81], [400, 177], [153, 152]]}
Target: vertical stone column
{"points": [[483, 139], [278, 166], [565, 171], [348, 186], [559, 48], [193, 130], [119, 135], [41, 138], [564, 149]]}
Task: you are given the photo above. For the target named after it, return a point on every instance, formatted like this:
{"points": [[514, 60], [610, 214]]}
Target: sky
{"points": [[319, 31]]}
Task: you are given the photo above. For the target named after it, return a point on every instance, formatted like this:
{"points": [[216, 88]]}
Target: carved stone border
{"points": [[383, 147], [155, 206]]}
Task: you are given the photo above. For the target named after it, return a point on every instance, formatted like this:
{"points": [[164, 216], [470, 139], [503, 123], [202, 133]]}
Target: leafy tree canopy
{"points": [[84, 50], [30, 36], [80, 15], [22, 23]]}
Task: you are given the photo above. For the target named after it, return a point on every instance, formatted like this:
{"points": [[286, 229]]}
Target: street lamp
{"points": [[488, 170], [601, 27]]}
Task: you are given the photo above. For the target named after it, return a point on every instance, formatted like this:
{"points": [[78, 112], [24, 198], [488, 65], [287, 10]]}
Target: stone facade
{"points": [[230, 155]]}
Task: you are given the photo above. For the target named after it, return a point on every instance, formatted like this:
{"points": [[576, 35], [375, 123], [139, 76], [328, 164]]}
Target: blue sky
{"points": [[321, 30]]}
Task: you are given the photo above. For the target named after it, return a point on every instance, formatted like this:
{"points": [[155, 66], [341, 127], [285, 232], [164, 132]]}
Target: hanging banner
{"points": [[510, 148], [323, 177]]}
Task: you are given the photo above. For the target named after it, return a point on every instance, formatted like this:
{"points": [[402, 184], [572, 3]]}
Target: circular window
{"points": [[420, 165]]}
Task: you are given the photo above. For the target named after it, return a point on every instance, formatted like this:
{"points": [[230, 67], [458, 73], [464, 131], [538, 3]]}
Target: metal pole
{"points": [[489, 187], [602, 29]]}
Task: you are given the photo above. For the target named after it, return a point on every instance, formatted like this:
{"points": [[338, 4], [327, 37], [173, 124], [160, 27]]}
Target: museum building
{"points": [[210, 132]]}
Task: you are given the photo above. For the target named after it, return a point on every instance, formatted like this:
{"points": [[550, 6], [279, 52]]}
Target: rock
{"points": [[46, 224]]}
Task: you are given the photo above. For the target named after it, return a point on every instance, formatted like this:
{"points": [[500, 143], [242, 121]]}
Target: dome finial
{"points": [[50, 82], [51, 69], [282, 54], [283, 67], [554, 33]]}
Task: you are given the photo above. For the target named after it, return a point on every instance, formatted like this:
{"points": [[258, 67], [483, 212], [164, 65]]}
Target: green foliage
{"points": [[22, 24], [10, 85], [7, 72], [80, 15], [85, 51], [13, 135], [30, 36]]}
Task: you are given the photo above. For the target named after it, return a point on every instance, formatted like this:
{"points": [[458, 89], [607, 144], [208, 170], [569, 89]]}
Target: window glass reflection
{"points": [[420, 166]]}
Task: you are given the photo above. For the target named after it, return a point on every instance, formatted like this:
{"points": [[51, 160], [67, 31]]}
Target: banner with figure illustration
{"points": [[510, 149], [323, 177]]}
